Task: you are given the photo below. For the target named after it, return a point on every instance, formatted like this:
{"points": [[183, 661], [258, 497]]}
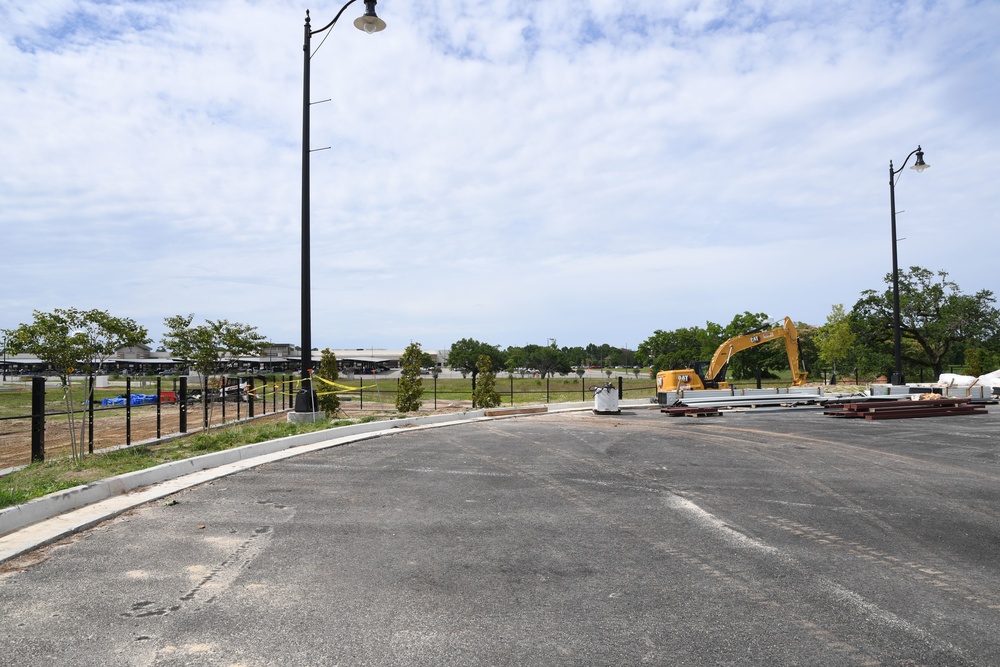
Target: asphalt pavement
{"points": [[779, 537]]}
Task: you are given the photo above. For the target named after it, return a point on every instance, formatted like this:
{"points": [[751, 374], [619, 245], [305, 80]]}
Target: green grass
{"points": [[526, 390], [40, 479]]}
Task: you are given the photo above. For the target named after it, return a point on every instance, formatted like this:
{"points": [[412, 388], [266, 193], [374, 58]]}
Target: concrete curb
{"points": [[52, 517]]}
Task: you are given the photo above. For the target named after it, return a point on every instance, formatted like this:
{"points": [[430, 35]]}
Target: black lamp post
{"points": [[305, 399], [919, 165]]}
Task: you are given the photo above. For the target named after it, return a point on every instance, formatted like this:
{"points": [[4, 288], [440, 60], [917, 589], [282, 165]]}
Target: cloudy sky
{"points": [[506, 170]]}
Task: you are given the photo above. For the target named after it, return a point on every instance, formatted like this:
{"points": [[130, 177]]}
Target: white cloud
{"points": [[510, 171]]}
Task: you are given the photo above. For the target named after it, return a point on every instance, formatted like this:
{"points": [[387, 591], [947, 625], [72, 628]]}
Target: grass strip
{"points": [[41, 479]]}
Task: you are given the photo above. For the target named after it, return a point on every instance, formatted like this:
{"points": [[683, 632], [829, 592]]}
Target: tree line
{"points": [[940, 327]]}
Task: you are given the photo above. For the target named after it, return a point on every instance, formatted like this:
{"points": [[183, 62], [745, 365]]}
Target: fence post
{"points": [[128, 411], [547, 400], [511, 390], [250, 398], [37, 419], [182, 406], [90, 416], [621, 390], [159, 401]]}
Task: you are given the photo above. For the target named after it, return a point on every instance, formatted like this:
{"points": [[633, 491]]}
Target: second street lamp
{"points": [[305, 399], [897, 346]]}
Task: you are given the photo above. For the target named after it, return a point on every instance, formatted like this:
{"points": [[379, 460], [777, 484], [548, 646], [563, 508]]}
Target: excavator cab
{"points": [[702, 368]]}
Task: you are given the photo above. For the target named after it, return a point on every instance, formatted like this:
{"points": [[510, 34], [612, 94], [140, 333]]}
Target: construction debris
{"points": [[907, 409], [684, 411]]}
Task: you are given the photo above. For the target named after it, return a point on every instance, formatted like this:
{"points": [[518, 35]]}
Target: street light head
{"points": [[920, 165], [370, 22]]}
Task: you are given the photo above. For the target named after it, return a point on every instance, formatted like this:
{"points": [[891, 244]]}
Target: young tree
{"points": [[485, 394], [68, 339], [329, 402], [410, 383], [935, 317], [835, 340], [215, 346]]}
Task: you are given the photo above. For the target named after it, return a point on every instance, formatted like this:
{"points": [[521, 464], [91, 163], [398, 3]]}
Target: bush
{"points": [[410, 384]]}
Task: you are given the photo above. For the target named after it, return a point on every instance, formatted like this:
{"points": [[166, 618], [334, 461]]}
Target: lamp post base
{"points": [[306, 408], [897, 379], [305, 417]]}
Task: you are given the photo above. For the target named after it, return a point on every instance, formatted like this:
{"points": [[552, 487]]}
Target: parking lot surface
{"points": [[757, 538]]}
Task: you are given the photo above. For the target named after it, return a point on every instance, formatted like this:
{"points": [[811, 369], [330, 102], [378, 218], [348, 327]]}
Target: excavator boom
{"points": [[715, 376], [725, 352]]}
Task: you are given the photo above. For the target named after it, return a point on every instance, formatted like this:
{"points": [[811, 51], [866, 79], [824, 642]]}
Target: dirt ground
{"points": [[110, 429]]}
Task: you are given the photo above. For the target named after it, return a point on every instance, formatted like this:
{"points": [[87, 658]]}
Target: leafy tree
{"points": [[666, 350], [485, 394], [981, 360], [426, 360], [68, 338], [410, 384], [599, 355], [211, 347], [329, 401], [808, 348], [762, 358], [835, 340], [935, 318], [514, 360], [575, 355], [464, 356], [546, 359]]}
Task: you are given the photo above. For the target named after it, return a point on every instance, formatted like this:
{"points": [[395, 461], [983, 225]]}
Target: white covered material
{"points": [[990, 379], [953, 380]]}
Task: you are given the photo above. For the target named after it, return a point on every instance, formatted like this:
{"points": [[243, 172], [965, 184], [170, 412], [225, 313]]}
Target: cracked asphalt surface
{"points": [[757, 538]]}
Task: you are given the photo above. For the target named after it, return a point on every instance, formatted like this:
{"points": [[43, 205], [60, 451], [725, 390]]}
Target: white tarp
{"points": [[990, 379], [953, 380]]}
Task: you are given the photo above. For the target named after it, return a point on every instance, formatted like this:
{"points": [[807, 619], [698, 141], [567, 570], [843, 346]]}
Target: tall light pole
{"points": [[305, 399], [919, 165]]}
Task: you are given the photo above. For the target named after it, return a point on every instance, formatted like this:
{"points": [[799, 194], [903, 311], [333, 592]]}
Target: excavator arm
{"points": [[720, 360]]}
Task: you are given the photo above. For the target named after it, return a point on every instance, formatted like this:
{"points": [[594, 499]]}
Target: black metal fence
{"points": [[452, 393], [175, 407], [132, 415]]}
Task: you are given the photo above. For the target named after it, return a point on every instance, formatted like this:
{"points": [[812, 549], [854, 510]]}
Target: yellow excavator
{"points": [[714, 376]]}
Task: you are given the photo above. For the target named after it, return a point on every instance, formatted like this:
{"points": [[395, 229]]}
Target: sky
{"points": [[512, 171]]}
